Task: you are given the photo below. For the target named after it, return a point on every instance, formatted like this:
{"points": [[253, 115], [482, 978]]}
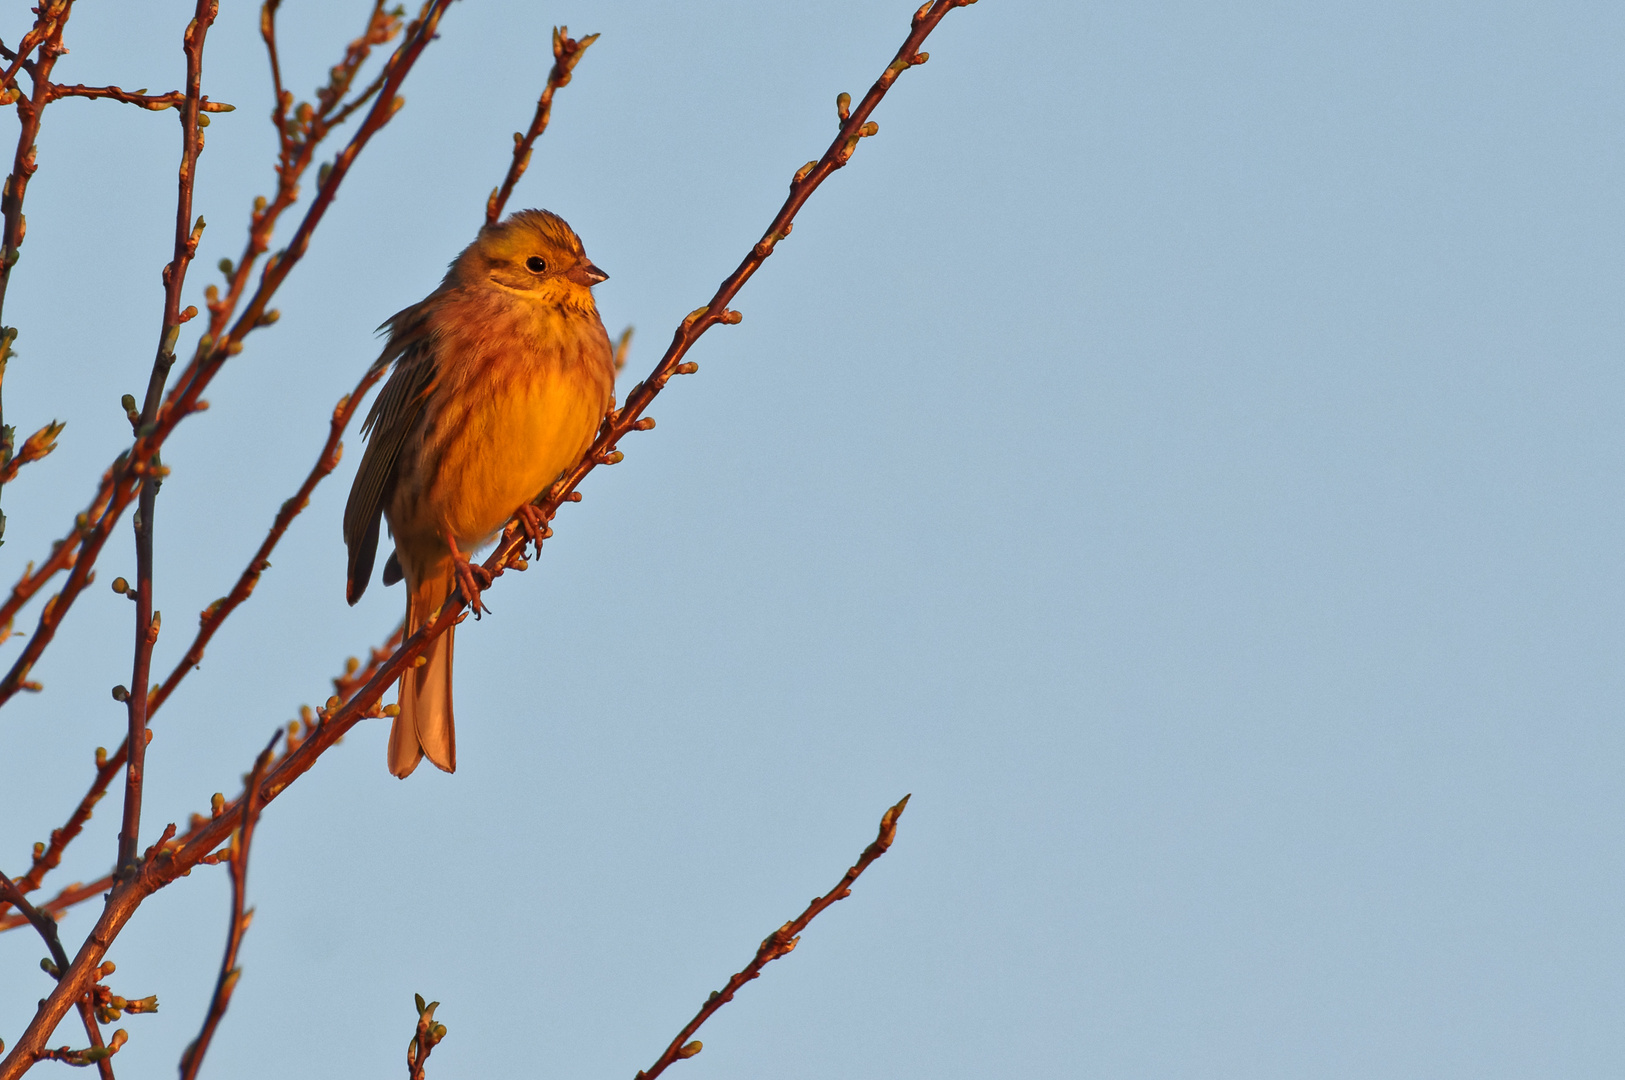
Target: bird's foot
{"points": [[533, 523], [472, 578]]}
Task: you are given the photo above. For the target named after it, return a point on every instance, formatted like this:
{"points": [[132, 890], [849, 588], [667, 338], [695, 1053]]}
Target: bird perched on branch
{"points": [[502, 376]]}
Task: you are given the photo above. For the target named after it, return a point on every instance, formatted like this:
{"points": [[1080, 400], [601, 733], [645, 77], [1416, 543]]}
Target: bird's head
{"points": [[533, 251]]}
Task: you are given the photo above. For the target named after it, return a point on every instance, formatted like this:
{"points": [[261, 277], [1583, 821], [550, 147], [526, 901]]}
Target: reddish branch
{"points": [[566, 51], [163, 862], [213, 351], [237, 865], [174, 276], [776, 944], [156, 102]]}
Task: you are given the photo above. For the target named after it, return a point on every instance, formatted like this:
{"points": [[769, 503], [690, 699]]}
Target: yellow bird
{"points": [[502, 376]]}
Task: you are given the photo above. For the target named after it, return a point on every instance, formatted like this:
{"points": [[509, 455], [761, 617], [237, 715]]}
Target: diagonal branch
{"points": [[566, 52], [777, 944]]}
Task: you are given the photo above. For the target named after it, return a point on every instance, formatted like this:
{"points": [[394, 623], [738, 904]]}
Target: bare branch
{"points": [[566, 51], [776, 944], [155, 102]]}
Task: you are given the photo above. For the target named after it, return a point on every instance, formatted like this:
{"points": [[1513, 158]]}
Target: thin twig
{"points": [[237, 865], [777, 944], [39, 920], [174, 276], [566, 51], [155, 102]]}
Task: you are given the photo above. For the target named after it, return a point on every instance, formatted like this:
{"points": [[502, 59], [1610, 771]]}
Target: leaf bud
{"points": [[690, 1049], [843, 105]]}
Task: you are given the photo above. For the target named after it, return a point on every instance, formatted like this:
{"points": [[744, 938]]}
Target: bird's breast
{"points": [[519, 408]]}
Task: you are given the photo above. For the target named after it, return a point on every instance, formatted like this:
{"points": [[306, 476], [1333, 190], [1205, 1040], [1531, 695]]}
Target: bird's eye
{"points": [[536, 264]]}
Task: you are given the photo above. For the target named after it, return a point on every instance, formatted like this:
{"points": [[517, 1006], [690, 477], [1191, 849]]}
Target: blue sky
{"points": [[1182, 450]]}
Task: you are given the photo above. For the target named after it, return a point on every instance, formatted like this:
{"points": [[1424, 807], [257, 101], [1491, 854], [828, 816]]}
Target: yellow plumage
{"points": [[501, 378]]}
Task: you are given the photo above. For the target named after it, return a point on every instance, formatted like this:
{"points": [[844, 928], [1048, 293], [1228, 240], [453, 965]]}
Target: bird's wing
{"points": [[392, 418]]}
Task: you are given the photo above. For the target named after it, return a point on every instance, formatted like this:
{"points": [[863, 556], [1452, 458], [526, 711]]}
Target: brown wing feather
{"points": [[393, 415]]}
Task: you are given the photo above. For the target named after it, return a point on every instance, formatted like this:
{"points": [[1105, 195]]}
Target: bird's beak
{"points": [[586, 274]]}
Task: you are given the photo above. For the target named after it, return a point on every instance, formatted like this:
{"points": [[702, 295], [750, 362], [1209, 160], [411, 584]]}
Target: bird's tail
{"points": [[424, 726]]}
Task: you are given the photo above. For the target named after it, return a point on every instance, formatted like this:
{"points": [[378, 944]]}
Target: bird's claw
{"points": [[533, 523], [472, 580]]}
